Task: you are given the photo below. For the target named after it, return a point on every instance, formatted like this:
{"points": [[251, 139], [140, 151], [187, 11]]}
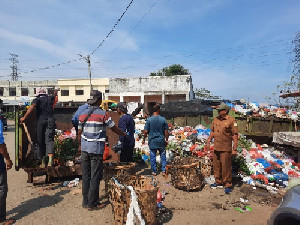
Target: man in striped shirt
{"points": [[91, 135]]}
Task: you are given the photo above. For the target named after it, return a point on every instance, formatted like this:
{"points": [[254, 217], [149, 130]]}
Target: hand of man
{"points": [[9, 164], [234, 152], [166, 143], [22, 119]]}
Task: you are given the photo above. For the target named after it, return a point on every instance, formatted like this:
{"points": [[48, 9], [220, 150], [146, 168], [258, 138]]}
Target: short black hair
{"points": [[156, 108]]}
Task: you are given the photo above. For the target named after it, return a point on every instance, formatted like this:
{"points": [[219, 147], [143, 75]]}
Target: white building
{"points": [[159, 89]]}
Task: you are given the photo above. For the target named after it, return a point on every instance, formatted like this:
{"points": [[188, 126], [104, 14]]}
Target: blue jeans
{"points": [[91, 166], [163, 159]]}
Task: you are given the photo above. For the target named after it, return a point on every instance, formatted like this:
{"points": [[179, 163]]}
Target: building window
{"points": [[34, 91], [24, 91], [50, 91], [12, 91], [79, 92], [1, 91], [64, 92]]}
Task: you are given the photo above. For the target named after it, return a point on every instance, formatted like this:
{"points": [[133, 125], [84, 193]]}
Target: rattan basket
{"points": [[206, 166], [146, 190], [186, 173], [117, 169]]}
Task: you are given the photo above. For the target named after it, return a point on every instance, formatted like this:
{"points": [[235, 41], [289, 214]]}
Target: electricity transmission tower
{"points": [[14, 66], [296, 60]]}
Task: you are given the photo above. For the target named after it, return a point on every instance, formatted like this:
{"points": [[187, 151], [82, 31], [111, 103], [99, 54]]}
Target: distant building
{"points": [[151, 89], [78, 90], [15, 92], [147, 90]]}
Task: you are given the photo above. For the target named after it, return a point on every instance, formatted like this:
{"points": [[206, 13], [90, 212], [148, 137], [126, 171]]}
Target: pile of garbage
{"points": [[258, 165], [263, 110], [268, 168], [65, 148], [183, 141]]}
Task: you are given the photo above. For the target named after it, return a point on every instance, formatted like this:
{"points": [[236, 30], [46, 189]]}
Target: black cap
{"points": [[122, 106], [94, 97]]}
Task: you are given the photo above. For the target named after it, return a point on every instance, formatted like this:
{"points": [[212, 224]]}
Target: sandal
{"points": [[8, 222]]}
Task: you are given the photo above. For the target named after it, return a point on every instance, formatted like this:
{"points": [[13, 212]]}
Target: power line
{"points": [[113, 29], [75, 60], [135, 26]]}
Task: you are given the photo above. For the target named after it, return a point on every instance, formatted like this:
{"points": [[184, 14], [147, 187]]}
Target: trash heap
{"points": [[267, 167], [183, 141], [65, 148], [258, 165], [263, 110]]}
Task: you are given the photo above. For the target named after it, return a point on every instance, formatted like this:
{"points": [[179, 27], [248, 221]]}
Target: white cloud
{"points": [[36, 43]]}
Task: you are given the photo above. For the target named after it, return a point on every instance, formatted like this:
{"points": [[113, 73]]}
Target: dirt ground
{"points": [[54, 204]]}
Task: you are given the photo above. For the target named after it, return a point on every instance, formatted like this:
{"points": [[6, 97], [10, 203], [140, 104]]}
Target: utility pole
{"points": [[14, 66], [88, 61]]}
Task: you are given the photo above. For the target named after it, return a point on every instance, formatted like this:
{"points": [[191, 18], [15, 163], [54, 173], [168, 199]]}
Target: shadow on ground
{"points": [[35, 204], [164, 215]]}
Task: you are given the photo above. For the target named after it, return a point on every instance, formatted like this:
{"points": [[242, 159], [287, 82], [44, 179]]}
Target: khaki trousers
{"points": [[222, 168]]}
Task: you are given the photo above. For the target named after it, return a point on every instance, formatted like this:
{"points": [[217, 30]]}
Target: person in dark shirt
{"points": [[45, 124], [3, 177], [127, 125]]}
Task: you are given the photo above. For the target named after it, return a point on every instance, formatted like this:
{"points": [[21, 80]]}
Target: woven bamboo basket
{"points": [[146, 190], [186, 174], [117, 169], [206, 166]]}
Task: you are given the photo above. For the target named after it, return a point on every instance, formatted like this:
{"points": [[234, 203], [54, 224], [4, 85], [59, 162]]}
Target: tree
{"points": [[205, 94], [175, 69]]}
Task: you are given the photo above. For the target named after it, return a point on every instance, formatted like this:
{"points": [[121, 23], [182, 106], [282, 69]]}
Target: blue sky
{"points": [[235, 48]]}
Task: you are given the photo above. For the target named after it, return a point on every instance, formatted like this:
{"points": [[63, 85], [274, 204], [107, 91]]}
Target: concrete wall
{"points": [[152, 89], [181, 83]]}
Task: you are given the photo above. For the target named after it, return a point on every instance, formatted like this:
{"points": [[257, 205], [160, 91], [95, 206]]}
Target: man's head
{"points": [[40, 91], [223, 109], [156, 109], [121, 108], [95, 98]]}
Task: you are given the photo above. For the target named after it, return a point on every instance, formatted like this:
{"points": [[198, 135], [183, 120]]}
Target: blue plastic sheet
{"points": [[264, 162]]}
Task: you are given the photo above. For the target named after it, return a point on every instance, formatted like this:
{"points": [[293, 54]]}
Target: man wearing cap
{"points": [[91, 136], [127, 125], [224, 130], [45, 124]]}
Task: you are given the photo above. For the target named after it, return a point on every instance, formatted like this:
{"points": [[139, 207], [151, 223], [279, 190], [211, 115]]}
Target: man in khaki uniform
{"points": [[224, 130]]}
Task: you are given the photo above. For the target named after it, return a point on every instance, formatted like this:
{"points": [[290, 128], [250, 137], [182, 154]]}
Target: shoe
{"points": [[228, 190], [97, 207], [215, 185], [85, 206]]}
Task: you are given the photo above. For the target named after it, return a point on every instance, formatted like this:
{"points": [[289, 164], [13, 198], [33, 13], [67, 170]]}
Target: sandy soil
{"points": [[54, 204]]}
